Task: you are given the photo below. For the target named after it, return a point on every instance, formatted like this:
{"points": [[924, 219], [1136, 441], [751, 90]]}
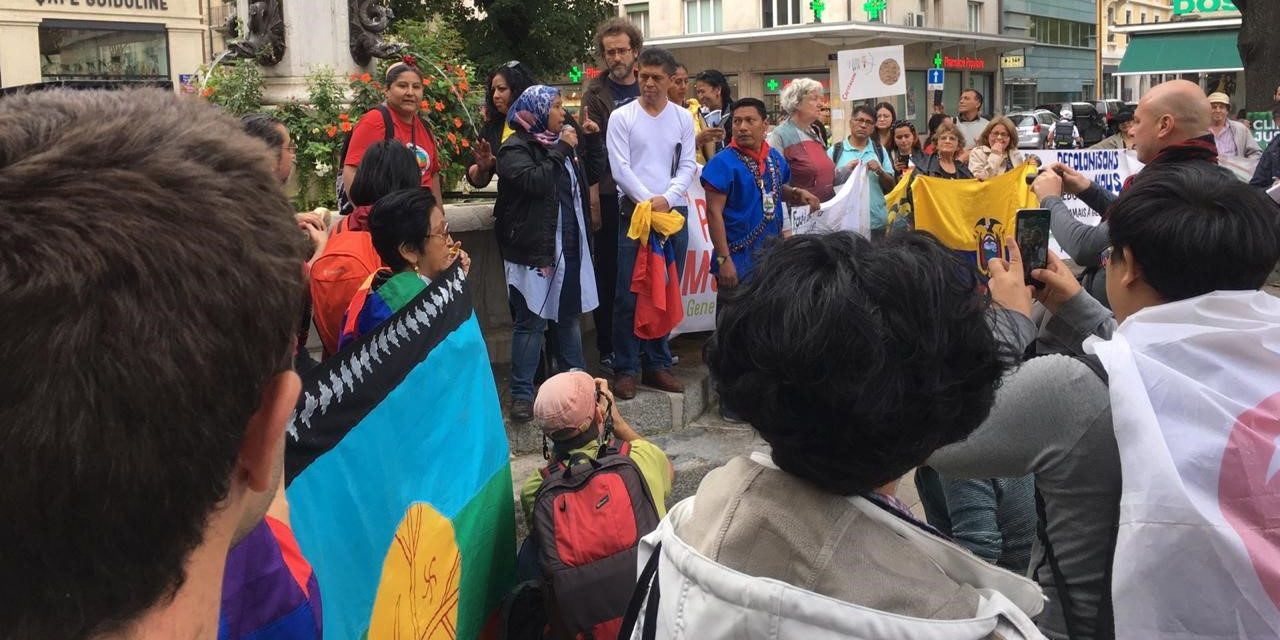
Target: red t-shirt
{"points": [[370, 129]]}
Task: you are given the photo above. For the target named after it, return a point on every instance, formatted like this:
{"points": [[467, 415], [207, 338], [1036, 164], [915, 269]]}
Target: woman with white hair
{"points": [[811, 169]]}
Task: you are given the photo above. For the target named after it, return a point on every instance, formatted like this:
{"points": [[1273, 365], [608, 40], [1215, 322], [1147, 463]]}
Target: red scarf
{"points": [[1202, 149], [759, 156]]}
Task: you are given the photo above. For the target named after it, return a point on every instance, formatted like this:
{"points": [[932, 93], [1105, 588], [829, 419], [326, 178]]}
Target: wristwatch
{"points": [[721, 260]]}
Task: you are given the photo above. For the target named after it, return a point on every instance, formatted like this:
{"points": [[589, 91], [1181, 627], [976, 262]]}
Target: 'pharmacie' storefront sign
{"points": [[140, 5]]}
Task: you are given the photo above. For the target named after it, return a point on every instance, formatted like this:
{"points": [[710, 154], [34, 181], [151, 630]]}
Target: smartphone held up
{"points": [[1032, 236]]}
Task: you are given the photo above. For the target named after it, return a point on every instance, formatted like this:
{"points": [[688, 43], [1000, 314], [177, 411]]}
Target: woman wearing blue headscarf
{"points": [[542, 235]]}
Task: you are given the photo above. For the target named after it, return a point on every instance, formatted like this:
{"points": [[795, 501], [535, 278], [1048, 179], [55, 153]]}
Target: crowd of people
{"points": [[158, 320]]}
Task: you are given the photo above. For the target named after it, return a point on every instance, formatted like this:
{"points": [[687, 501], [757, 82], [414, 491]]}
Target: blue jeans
{"points": [[526, 344], [627, 348]]}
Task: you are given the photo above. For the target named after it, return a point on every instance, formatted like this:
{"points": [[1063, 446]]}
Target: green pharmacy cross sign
{"points": [[874, 8], [772, 85], [937, 59], [575, 74], [818, 7]]}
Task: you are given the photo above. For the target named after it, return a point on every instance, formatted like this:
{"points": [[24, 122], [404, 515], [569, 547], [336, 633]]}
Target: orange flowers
{"points": [[331, 131], [344, 117], [457, 122], [426, 106], [206, 92], [452, 138], [428, 80], [464, 86], [366, 78], [353, 77], [466, 144], [345, 127], [439, 106]]}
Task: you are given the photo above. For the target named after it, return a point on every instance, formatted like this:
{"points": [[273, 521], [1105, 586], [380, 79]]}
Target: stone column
{"points": [[316, 34]]}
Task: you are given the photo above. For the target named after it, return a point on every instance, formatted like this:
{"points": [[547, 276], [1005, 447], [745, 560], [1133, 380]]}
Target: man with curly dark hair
{"points": [[855, 362]]}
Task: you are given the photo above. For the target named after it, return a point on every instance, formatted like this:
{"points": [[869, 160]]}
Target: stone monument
{"points": [[290, 38]]}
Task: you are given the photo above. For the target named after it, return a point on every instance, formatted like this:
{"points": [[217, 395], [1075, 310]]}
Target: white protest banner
{"points": [[698, 285], [871, 73], [1107, 168], [849, 210]]}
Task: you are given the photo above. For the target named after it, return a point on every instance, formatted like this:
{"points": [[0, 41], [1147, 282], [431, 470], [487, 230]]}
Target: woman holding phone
{"points": [[713, 92]]}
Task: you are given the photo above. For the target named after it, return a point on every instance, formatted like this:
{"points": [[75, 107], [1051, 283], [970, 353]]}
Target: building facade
{"points": [[1197, 43], [1061, 65], [762, 45], [1123, 13], [157, 41]]}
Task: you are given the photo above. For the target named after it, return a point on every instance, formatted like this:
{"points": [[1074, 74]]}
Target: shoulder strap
{"points": [[835, 155], [1095, 364], [1059, 581], [388, 125], [646, 589]]}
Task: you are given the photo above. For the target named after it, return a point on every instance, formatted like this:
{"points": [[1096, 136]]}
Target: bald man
{"points": [[1171, 124]]}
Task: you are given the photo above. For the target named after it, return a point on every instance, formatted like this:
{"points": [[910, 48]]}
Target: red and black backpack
{"points": [[588, 518]]}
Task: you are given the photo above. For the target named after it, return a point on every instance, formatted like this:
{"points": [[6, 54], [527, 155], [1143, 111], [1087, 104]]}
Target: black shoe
{"points": [[521, 410]]}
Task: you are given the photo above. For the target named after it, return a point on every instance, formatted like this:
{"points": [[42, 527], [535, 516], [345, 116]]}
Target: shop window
{"points": [[120, 52], [702, 16], [975, 17], [638, 14], [777, 13]]}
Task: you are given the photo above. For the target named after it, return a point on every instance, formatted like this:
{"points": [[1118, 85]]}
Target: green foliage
{"points": [[318, 128], [547, 35], [234, 86]]}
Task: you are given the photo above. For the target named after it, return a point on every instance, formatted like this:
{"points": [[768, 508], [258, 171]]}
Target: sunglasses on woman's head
{"points": [[904, 123]]}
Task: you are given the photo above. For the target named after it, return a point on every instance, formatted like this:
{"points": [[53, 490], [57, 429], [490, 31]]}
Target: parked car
{"points": [[1033, 127], [1091, 123], [1109, 109]]}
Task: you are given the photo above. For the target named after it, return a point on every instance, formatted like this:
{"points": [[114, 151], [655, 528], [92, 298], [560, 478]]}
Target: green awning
{"points": [[1193, 52]]}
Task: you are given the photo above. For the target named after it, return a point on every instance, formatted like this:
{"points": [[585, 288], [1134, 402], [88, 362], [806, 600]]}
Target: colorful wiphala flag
{"points": [[398, 477]]}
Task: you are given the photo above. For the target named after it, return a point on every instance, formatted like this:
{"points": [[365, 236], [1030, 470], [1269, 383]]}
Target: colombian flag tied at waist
{"points": [[654, 278], [970, 216], [398, 478]]}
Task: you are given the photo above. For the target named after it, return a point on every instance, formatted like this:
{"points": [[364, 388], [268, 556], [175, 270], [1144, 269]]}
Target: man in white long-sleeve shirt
{"points": [[652, 157]]}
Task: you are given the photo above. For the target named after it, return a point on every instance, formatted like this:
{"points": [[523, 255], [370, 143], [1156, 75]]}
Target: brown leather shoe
{"points": [[663, 380], [624, 387]]}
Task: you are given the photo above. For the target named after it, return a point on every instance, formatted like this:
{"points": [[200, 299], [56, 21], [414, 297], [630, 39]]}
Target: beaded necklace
{"points": [[770, 197]]}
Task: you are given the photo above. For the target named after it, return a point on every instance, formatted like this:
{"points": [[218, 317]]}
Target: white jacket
{"points": [[703, 600]]}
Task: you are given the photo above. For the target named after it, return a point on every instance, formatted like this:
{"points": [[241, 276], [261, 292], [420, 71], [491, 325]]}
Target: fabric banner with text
{"points": [[1107, 168], [847, 211]]}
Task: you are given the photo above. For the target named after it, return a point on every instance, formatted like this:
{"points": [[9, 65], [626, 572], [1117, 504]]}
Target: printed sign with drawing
{"points": [[871, 73]]}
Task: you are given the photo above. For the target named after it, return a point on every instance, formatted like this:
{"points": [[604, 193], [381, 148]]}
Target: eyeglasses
{"points": [[291, 148], [998, 134], [442, 234], [616, 53], [864, 121], [1106, 256]]}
